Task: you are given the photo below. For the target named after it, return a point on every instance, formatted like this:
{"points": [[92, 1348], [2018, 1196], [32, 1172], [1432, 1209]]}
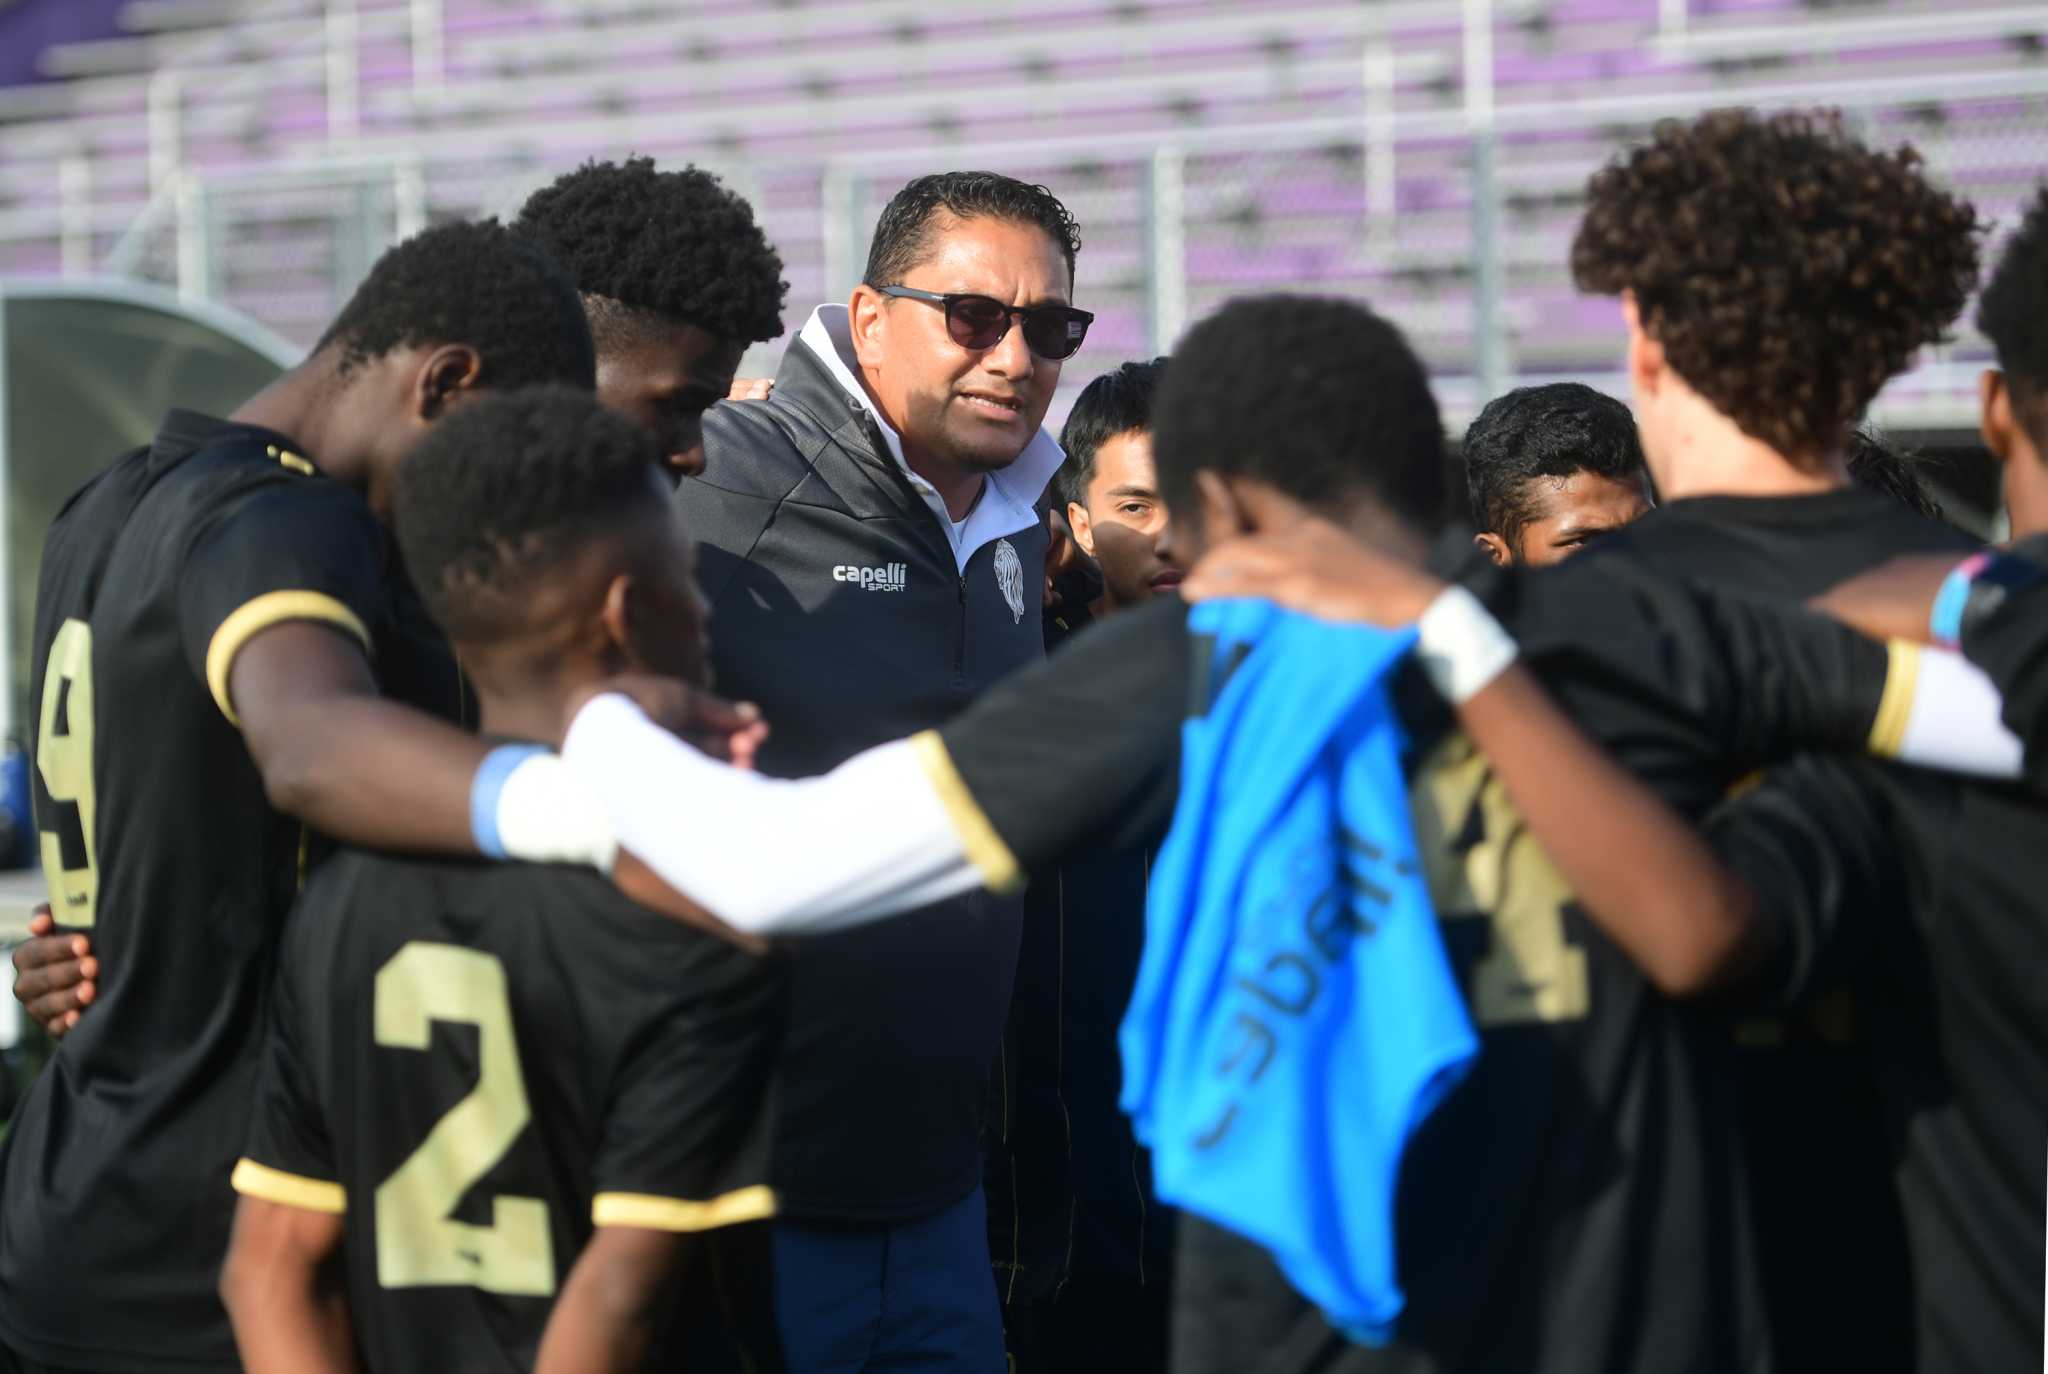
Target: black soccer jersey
{"points": [[1833, 1236], [1951, 991], [158, 840], [2011, 644], [1578, 1202], [478, 1064]]}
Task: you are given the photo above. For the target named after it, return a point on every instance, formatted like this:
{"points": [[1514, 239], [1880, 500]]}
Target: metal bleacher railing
{"points": [[1429, 155]]}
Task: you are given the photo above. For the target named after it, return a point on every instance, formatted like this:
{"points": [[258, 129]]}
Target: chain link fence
{"points": [[1170, 230]]}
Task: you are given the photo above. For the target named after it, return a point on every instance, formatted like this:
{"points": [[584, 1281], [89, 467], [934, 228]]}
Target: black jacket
{"points": [[837, 605]]}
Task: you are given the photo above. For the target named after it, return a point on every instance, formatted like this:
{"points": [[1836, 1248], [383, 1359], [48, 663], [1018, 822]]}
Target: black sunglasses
{"points": [[1053, 332]]}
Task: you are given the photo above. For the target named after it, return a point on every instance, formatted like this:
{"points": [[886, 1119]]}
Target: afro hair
{"points": [[674, 245], [470, 283], [504, 488], [1317, 396], [1787, 270]]}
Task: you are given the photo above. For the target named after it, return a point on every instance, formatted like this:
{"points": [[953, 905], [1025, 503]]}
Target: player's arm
{"points": [[282, 1280], [283, 1290], [1646, 876], [1989, 606], [606, 1314], [914, 821]]}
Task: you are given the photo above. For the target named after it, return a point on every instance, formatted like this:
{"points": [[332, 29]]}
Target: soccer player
{"points": [[227, 658], [1746, 386], [677, 279], [1109, 487], [1550, 469], [526, 1183]]}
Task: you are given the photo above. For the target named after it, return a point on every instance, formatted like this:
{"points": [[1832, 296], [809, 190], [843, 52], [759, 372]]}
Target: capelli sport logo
{"points": [[890, 577]]}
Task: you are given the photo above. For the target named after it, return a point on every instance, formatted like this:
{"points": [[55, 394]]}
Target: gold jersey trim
{"points": [[251, 1179], [677, 1214], [1895, 704], [984, 848], [259, 614]]}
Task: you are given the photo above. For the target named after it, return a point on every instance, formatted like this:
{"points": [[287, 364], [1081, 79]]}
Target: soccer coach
{"points": [[870, 548]]}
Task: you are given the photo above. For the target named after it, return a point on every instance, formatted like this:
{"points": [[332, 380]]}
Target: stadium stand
{"points": [[259, 152]]}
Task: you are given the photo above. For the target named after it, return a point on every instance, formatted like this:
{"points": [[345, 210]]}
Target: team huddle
{"points": [[562, 859]]}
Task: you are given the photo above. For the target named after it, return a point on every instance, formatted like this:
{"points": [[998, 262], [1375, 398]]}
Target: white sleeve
{"points": [[887, 831], [1939, 710]]}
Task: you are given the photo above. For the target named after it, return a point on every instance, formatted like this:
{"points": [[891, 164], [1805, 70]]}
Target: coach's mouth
{"points": [[1167, 580]]}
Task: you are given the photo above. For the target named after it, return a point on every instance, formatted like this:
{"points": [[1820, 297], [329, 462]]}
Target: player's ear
{"points": [[868, 321], [1994, 411], [1645, 354], [1082, 526], [620, 618], [449, 372], [1496, 548]]}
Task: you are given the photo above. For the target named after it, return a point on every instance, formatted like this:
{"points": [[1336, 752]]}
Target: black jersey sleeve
{"points": [[1693, 687], [2011, 646], [1081, 752], [687, 1127], [1813, 840], [289, 1154], [293, 548]]}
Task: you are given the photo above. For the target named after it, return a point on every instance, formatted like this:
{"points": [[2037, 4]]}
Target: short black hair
{"points": [[505, 488], [1114, 403], [1876, 464], [2013, 313], [1556, 430], [673, 245], [904, 235], [1319, 397], [471, 283]]}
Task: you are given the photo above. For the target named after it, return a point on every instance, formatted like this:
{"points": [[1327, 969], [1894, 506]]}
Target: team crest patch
{"points": [[1010, 577]]}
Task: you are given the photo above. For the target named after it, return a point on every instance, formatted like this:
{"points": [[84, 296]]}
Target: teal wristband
{"points": [[1945, 620], [489, 785]]}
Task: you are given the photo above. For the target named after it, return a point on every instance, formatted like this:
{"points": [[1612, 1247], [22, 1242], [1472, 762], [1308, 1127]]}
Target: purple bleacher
{"points": [[730, 84]]}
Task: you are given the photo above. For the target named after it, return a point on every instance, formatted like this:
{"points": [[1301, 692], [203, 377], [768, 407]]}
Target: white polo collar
{"points": [[1009, 498]]}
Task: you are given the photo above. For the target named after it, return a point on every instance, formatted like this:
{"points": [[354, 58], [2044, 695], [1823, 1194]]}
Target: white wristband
{"points": [[1461, 646], [549, 815]]}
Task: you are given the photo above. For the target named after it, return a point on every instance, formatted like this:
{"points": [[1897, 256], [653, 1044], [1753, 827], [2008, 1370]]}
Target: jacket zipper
{"points": [[960, 639]]}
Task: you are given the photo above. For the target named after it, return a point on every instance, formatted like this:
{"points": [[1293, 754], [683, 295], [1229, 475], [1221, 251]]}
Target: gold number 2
{"points": [[64, 758], [419, 1243], [1482, 859]]}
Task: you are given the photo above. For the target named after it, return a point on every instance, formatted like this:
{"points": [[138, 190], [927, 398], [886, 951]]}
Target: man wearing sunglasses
{"points": [[873, 558]]}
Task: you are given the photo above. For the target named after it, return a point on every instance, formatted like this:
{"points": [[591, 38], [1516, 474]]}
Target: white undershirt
{"points": [[772, 856]]}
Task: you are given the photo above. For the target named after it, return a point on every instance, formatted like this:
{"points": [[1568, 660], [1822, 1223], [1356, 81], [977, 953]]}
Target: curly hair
{"points": [[1787, 270], [2013, 313], [904, 236], [470, 283], [1339, 405], [1114, 403], [676, 245], [1557, 430], [505, 488]]}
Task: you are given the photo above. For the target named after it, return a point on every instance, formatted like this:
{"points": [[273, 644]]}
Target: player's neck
{"points": [[300, 405], [1708, 455], [525, 696]]}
